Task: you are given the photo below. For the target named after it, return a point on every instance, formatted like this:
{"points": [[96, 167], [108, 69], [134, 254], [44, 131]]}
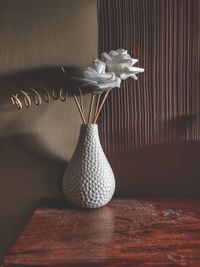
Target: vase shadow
{"points": [[167, 170], [32, 154], [166, 164], [28, 174]]}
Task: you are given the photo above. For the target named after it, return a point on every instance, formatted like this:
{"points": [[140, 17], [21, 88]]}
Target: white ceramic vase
{"points": [[89, 181]]}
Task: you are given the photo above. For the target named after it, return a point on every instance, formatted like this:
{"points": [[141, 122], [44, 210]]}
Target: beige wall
{"points": [[35, 144]]}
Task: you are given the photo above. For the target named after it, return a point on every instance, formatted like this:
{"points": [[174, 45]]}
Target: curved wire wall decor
{"points": [[26, 98]]}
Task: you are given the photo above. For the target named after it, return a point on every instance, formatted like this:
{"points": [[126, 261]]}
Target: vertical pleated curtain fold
{"points": [[162, 107]]}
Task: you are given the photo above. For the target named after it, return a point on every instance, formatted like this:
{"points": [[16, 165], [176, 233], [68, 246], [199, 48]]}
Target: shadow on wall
{"points": [[35, 145], [50, 79], [26, 173], [34, 78], [170, 168]]}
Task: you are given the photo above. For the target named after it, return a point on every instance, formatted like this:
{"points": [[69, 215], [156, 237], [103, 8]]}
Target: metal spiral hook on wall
{"points": [[37, 96]]}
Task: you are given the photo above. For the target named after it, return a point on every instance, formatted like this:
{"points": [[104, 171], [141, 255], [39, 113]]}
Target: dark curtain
{"points": [[150, 127]]}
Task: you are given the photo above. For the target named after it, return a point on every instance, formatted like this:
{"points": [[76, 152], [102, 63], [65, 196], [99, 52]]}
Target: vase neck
{"points": [[89, 132], [88, 128]]}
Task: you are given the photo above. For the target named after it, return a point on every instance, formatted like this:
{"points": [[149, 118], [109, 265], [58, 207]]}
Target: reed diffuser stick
{"points": [[91, 108], [79, 108], [102, 103], [97, 104], [81, 99]]}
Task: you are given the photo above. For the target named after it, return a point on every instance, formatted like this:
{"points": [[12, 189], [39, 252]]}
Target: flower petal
{"points": [[121, 63], [134, 77], [135, 69], [113, 53], [121, 51], [99, 66], [90, 74], [105, 56], [124, 76], [83, 82], [133, 61], [110, 85], [120, 59]]}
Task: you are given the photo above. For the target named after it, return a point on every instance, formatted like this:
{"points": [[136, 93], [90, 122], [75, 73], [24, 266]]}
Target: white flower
{"points": [[121, 64], [96, 78]]}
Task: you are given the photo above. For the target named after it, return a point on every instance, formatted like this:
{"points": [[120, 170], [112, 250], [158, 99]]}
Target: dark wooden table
{"points": [[127, 232]]}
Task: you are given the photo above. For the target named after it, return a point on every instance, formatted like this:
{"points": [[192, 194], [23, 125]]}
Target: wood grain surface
{"points": [[148, 127], [127, 232]]}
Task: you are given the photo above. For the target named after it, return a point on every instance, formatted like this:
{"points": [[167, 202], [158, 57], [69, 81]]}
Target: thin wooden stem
{"points": [[91, 108], [81, 100], [79, 108], [100, 108], [97, 105]]}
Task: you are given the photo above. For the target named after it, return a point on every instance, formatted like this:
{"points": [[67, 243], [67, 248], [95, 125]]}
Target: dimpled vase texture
{"points": [[88, 181]]}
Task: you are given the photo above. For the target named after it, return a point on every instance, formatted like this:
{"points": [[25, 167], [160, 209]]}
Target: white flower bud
{"points": [[121, 64], [96, 79]]}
